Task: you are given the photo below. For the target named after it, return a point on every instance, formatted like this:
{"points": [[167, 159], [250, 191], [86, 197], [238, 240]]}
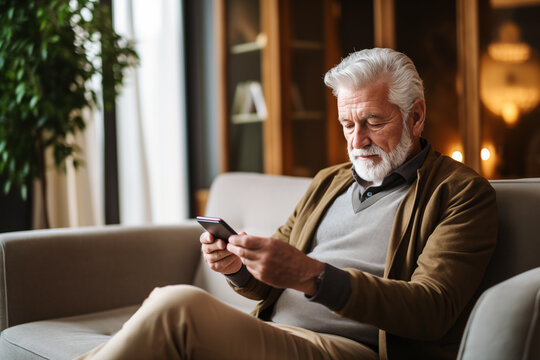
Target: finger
{"points": [[236, 239], [243, 233], [247, 241], [217, 256], [206, 238], [242, 252], [215, 246], [222, 264]]}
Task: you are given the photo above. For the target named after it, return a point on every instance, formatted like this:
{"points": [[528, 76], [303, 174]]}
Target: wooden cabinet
{"points": [[277, 116], [285, 47], [282, 49]]}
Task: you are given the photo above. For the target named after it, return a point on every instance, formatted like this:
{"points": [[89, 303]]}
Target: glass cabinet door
{"points": [[510, 88], [246, 104], [303, 88], [434, 53], [315, 35]]}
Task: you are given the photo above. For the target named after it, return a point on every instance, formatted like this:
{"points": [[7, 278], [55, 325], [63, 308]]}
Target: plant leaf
{"points": [[34, 101], [19, 92], [7, 186], [24, 192]]}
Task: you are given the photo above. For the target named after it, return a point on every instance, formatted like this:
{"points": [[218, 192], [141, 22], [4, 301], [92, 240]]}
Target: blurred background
{"points": [[236, 85]]}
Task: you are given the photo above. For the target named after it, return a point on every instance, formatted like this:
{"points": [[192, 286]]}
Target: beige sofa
{"points": [[64, 291]]}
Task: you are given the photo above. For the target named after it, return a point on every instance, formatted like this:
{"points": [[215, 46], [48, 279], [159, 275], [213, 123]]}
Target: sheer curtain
{"points": [[75, 198], [151, 120]]}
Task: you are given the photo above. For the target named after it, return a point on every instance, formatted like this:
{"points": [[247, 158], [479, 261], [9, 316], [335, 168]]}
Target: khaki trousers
{"points": [[184, 322]]}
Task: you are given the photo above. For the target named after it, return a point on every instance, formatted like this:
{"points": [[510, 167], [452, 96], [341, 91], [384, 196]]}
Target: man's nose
{"points": [[360, 138]]}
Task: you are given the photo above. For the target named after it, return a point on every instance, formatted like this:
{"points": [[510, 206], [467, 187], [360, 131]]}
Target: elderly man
{"points": [[380, 259]]}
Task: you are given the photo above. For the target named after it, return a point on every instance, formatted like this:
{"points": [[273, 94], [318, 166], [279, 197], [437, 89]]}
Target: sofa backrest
{"points": [[255, 203], [518, 242], [258, 204]]}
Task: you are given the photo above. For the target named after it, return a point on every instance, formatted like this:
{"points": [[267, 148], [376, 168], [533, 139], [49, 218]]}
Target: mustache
{"points": [[367, 151]]}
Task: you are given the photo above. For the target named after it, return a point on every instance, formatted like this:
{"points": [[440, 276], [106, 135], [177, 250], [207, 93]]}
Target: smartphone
{"points": [[217, 227]]}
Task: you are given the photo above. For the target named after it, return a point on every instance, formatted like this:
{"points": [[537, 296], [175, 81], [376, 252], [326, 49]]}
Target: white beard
{"points": [[375, 173]]}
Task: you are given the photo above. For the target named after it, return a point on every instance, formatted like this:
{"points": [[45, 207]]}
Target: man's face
{"points": [[373, 128]]}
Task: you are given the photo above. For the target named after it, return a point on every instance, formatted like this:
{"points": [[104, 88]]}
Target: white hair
{"points": [[367, 66]]}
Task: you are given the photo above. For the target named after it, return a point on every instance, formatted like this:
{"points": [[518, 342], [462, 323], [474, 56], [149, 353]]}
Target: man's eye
{"points": [[348, 125], [374, 125]]}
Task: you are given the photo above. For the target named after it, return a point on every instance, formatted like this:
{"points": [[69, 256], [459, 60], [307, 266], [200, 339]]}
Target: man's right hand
{"points": [[216, 255]]}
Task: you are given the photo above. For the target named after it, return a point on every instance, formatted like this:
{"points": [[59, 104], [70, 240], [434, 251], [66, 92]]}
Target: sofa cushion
{"points": [[505, 323], [63, 338]]}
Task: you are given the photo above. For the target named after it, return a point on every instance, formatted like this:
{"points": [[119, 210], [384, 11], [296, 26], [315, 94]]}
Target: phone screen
{"points": [[217, 227]]}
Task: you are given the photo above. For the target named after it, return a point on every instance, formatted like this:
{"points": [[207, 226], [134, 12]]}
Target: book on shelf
{"points": [[296, 98], [248, 102]]}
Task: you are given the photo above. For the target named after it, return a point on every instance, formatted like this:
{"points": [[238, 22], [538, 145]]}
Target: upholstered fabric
{"points": [[54, 273], [518, 242], [61, 339], [505, 323]]}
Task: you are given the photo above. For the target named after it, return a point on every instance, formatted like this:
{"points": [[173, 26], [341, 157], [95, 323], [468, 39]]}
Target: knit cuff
{"points": [[334, 288], [240, 278]]}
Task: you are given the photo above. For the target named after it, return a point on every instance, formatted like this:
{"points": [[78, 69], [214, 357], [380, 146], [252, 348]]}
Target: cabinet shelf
{"points": [[245, 119], [249, 47], [246, 47]]}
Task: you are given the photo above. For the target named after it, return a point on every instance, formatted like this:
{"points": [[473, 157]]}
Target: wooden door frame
{"points": [[470, 122]]}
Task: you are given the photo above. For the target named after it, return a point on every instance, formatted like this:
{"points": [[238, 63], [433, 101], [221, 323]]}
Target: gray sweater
{"points": [[345, 238]]}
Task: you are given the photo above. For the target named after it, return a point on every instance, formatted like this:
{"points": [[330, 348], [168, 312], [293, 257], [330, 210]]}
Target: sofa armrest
{"points": [[505, 322], [63, 272]]}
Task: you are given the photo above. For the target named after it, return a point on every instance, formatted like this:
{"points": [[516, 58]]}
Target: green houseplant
{"points": [[50, 50]]}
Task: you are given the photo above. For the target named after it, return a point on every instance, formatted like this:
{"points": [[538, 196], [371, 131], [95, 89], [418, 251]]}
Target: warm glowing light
{"points": [[458, 156], [509, 48], [489, 162], [485, 154], [510, 112], [509, 91], [510, 76], [516, 53]]}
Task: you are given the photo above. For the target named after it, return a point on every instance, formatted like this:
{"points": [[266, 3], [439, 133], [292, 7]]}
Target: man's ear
{"points": [[417, 117]]}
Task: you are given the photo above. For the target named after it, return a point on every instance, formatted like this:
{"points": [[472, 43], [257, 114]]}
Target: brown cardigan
{"points": [[443, 236]]}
